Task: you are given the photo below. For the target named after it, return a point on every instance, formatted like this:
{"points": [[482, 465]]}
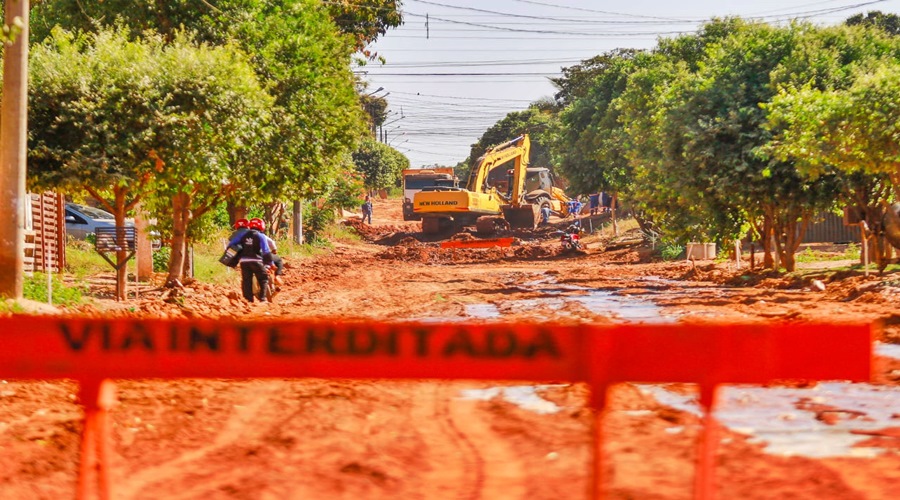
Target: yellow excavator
{"points": [[480, 202]]}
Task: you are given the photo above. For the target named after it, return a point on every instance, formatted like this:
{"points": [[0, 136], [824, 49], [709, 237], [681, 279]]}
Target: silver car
{"points": [[82, 220]]}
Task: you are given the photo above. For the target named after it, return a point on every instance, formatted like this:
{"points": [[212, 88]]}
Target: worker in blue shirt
{"points": [[255, 257]]}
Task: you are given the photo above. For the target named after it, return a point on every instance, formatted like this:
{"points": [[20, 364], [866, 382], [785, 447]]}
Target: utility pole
{"points": [[13, 142], [298, 222]]}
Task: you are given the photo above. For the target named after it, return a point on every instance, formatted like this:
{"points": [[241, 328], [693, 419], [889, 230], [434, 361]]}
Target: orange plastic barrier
{"points": [[485, 243], [94, 350]]}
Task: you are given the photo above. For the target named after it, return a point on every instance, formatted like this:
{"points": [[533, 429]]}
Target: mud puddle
{"points": [[557, 298], [824, 421], [526, 397], [887, 350]]}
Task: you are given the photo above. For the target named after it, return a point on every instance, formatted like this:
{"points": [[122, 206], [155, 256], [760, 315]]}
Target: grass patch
{"points": [[9, 306], [83, 261], [340, 232], [207, 267], [35, 288], [852, 252]]}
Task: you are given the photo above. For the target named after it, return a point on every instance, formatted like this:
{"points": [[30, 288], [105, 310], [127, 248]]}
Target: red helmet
{"points": [[258, 224], [241, 224]]}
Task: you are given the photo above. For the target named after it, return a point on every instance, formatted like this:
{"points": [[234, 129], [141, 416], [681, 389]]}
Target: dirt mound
{"points": [[412, 250], [382, 234]]}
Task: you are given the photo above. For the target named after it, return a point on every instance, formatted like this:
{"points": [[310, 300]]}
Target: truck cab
{"points": [[415, 180]]}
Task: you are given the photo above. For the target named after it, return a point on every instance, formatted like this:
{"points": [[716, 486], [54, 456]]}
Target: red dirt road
{"points": [[261, 439]]}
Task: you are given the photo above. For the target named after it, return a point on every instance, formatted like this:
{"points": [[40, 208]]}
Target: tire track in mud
{"points": [[486, 465], [237, 427]]}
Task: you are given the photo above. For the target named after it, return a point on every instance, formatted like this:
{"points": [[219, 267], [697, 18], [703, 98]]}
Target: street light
{"points": [[392, 121], [376, 91], [384, 132]]}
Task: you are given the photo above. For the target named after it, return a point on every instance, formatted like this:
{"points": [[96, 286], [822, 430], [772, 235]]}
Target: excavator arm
{"points": [[516, 149]]}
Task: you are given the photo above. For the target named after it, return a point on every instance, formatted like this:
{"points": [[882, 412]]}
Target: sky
{"points": [[456, 67]]}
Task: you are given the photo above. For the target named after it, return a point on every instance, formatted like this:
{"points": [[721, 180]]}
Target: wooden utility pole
{"points": [[13, 141]]}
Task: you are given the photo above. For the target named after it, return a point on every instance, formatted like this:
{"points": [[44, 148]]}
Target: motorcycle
{"points": [[570, 239]]}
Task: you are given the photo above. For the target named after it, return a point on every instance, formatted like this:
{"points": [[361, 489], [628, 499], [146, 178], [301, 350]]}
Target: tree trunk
{"points": [[612, 212], [789, 226], [188, 270], [767, 236], [13, 151], [121, 244], [181, 203], [235, 212], [144, 244], [273, 217]]}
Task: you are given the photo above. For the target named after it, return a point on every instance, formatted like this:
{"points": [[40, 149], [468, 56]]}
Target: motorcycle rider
{"points": [[255, 256]]}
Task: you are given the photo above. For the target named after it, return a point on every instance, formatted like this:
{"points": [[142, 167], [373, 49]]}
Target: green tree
{"points": [[812, 126], [379, 164], [301, 57], [853, 130], [592, 145], [890, 23], [610, 138], [216, 110], [130, 119], [576, 81], [93, 119], [718, 129], [212, 22]]}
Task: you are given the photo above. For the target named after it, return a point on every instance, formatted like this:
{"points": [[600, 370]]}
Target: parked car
{"points": [[82, 220]]}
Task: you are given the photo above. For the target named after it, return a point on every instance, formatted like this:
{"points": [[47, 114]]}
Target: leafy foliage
{"points": [[212, 22], [534, 121], [890, 23], [291, 146], [380, 164]]}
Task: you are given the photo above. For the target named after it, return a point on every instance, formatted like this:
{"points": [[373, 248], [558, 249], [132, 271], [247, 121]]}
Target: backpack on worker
{"points": [[232, 255]]}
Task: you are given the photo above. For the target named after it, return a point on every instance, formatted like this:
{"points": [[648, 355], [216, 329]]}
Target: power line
{"points": [[460, 98], [544, 19], [593, 10]]}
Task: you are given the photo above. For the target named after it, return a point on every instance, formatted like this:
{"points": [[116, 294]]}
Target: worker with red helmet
{"points": [[240, 227], [255, 256]]}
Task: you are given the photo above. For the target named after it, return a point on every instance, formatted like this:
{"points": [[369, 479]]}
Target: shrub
{"points": [[670, 251], [161, 259], [315, 222]]}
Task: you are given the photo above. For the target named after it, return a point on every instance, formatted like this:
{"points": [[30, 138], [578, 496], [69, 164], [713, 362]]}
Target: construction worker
{"points": [[575, 206], [255, 256], [545, 214], [367, 210], [240, 227]]}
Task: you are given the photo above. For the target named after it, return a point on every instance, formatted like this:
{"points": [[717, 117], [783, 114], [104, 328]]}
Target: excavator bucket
{"points": [[522, 217]]}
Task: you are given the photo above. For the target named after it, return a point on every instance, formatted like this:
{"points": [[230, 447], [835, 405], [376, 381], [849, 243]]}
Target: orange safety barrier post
{"points": [[94, 350], [97, 397], [485, 243]]}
